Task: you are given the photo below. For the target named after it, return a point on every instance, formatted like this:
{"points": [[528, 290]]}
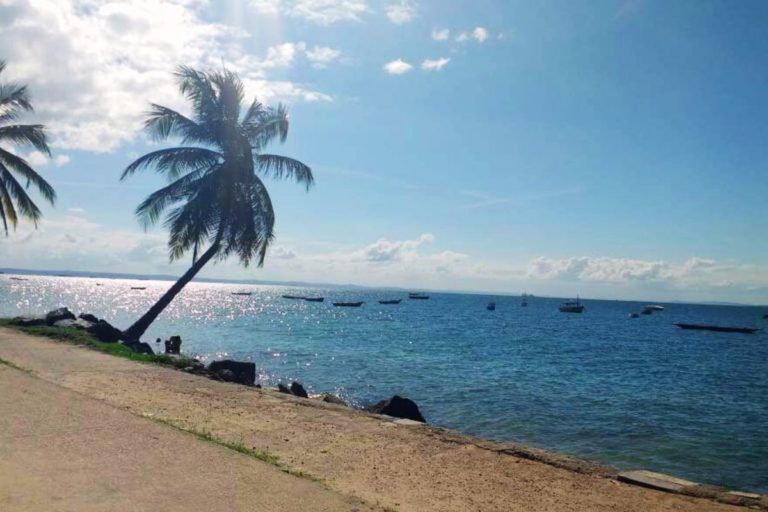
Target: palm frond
{"points": [[268, 125], [230, 94], [196, 86], [13, 99], [283, 167], [33, 134], [173, 162], [152, 208], [20, 166], [6, 207], [162, 122], [26, 207]]}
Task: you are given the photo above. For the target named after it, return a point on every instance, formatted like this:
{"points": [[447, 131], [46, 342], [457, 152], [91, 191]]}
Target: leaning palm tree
{"points": [[14, 200], [216, 204]]}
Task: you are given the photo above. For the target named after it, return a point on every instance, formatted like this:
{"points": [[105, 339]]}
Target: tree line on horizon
{"points": [[215, 204]]}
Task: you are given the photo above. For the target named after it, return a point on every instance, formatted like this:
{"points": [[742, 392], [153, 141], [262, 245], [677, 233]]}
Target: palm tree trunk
{"points": [[134, 332]]}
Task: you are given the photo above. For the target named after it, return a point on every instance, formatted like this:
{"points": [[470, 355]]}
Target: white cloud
{"points": [[282, 253], [435, 64], [322, 56], [480, 34], [397, 67], [322, 12], [401, 12], [441, 35], [61, 160], [37, 159], [94, 65], [76, 211]]}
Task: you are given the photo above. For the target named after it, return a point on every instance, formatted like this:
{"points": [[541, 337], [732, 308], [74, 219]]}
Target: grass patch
{"points": [[15, 366], [83, 338]]}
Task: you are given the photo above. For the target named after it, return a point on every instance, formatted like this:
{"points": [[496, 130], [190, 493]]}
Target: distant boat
{"points": [[717, 328], [314, 299], [646, 311], [294, 297], [17, 279], [491, 306], [348, 304], [138, 287], [418, 296], [524, 303], [654, 307], [634, 315], [99, 284], [245, 294], [571, 306], [393, 301]]}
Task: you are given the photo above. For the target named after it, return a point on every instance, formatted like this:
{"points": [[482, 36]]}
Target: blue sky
{"points": [[610, 148]]}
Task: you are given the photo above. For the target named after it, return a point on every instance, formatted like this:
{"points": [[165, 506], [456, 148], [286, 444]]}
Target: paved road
{"points": [[63, 451]]}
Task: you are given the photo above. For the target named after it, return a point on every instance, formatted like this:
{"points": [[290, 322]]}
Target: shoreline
{"points": [[429, 441]]}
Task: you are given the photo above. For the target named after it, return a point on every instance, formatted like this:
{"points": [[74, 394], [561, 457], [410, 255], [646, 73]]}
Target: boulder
{"points": [[29, 321], [81, 324], [398, 407], [330, 398], [138, 347], [283, 388], [226, 375], [59, 314], [89, 317], [106, 332], [173, 345], [243, 372], [298, 390]]}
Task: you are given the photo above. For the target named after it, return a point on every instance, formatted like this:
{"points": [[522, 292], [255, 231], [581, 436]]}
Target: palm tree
{"points": [[216, 201], [14, 200]]}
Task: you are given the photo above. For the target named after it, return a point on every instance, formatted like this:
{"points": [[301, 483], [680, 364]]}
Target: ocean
{"points": [[630, 392]]}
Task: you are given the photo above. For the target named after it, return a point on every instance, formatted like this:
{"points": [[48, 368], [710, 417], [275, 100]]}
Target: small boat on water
{"points": [[243, 294], [314, 299], [418, 296], [491, 306], [524, 303], [717, 328], [572, 306], [348, 304], [646, 311], [294, 297], [17, 279], [393, 301], [99, 284], [138, 287]]}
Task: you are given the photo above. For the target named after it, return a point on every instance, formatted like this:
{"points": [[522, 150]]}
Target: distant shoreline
{"points": [[306, 284]]}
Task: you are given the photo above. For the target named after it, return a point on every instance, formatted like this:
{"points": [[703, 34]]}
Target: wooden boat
{"points": [[717, 328], [491, 306], [294, 297], [393, 301], [348, 304], [571, 306], [17, 279], [418, 296], [138, 287], [244, 294], [314, 299]]}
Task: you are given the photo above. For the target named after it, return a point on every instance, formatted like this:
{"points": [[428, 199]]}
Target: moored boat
{"points": [[491, 306], [314, 299], [294, 297], [418, 296], [572, 306], [524, 303], [717, 328], [393, 301], [138, 287], [245, 294], [348, 304]]}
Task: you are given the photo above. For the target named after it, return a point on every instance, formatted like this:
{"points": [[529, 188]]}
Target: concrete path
{"points": [[405, 468], [62, 451]]}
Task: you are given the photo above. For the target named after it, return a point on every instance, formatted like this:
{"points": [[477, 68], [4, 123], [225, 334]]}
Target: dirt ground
{"points": [[355, 454]]}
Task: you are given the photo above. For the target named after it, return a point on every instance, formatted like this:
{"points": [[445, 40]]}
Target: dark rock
{"points": [[283, 388], [59, 314], [332, 399], [89, 317], [398, 407], [298, 390], [65, 323], [27, 321], [106, 332], [244, 372], [138, 347], [173, 345], [226, 375]]}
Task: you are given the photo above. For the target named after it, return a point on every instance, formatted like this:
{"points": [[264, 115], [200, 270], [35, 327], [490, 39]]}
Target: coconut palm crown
{"points": [[14, 200], [216, 201]]}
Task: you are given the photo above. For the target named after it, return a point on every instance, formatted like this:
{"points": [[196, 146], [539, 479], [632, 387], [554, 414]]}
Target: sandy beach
{"points": [[352, 454]]}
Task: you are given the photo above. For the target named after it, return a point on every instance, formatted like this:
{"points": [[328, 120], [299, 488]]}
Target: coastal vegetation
{"points": [[216, 204], [14, 200]]}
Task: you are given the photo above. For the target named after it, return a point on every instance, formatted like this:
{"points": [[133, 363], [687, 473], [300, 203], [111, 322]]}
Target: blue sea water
{"points": [[634, 393]]}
